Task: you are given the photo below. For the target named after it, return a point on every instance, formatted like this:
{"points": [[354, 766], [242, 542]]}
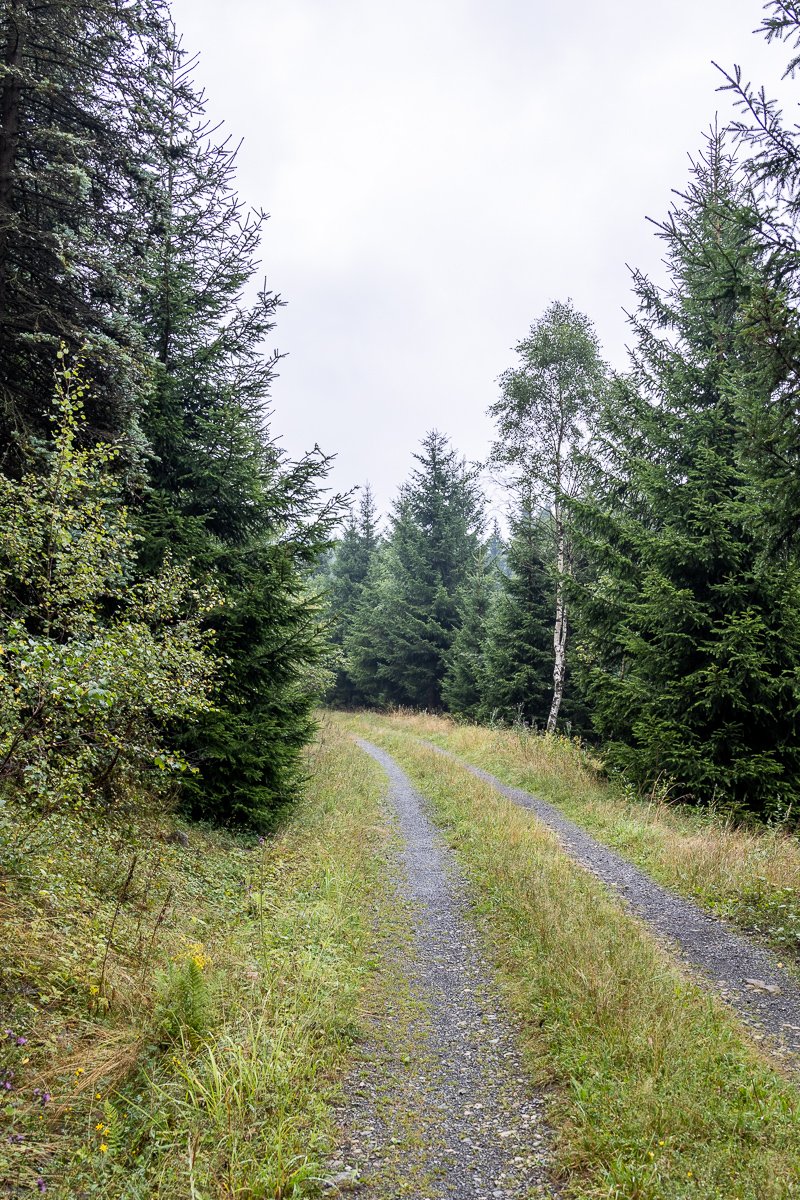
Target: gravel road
{"points": [[748, 976], [439, 1107]]}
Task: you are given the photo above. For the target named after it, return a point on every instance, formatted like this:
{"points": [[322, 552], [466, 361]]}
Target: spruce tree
{"points": [[518, 656], [221, 495], [691, 626], [408, 615], [348, 575], [766, 393], [70, 251], [465, 682]]}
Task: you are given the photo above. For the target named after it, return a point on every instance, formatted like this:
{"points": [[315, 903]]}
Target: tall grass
{"points": [[206, 1063]]}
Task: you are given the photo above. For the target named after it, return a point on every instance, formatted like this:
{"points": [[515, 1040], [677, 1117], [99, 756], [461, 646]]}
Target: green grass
{"points": [[750, 875], [657, 1094], [185, 1033]]}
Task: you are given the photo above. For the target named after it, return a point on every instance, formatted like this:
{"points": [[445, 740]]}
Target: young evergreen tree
{"points": [[365, 644], [518, 655], [465, 682], [496, 547], [545, 417], [405, 624], [248, 751], [349, 571], [691, 626]]}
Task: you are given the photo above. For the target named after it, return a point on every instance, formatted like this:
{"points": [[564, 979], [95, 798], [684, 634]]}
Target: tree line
{"points": [[646, 593], [158, 627]]}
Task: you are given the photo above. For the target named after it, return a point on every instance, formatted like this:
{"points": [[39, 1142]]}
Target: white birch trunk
{"points": [[560, 628]]}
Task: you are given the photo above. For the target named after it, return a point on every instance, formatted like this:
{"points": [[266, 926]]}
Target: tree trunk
{"points": [[560, 628]]}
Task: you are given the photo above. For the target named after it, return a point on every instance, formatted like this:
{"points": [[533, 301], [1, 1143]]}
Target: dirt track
{"points": [[770, 1005], [439, 1107]]}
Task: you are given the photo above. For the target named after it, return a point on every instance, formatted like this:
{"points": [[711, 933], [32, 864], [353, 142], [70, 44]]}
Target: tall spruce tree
{"points": [[221, 495], [71, 255], [211, 458], [691, 626], [767, 395], [406, 621]]}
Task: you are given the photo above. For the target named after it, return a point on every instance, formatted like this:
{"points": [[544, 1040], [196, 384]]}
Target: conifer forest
{"points": [[208, 655]]}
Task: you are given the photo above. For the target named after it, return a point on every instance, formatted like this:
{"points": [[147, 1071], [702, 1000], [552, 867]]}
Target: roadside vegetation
{"points": [[657, 1094], [176, 1017]]}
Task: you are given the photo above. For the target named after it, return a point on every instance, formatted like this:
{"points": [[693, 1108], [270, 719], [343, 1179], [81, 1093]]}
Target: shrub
{"points": [[93, 662]]}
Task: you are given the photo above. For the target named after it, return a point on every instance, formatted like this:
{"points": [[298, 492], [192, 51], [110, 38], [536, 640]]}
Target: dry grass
{"points": [[187, 1029], [659, 1096], [749, 874]]}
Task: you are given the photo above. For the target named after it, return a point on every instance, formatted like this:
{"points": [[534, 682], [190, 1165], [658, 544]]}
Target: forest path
{"points": [[439, 1106], [748, 977]]}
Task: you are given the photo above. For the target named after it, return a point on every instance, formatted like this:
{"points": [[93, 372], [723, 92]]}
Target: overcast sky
{"points": [[436, 172]]}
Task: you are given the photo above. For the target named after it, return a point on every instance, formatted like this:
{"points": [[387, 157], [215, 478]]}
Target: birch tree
{"points": [[545, 417]]}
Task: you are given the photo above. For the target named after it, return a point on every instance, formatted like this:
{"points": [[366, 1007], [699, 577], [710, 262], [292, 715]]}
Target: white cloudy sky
{"points": [[437, 171]]}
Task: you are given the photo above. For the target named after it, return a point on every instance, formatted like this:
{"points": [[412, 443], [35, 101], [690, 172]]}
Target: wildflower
{"points": [[80, 1071], [103, 1147], [97, 1096], [22, 1041], [41, 1185], [99, 1126]]}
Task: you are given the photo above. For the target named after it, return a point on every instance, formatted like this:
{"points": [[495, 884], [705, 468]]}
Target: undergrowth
{"points": [[175, 1017]]}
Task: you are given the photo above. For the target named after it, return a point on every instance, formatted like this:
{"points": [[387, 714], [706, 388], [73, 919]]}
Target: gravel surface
{"points": [[439, 1106], [748, 976]]}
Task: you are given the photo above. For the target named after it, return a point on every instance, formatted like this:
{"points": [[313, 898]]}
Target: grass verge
{"points": [[751, 876], [175, 1018], [658, 1094]]}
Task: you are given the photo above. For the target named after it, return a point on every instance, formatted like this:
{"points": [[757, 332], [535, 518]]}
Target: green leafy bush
{"points": [[92, 661]]}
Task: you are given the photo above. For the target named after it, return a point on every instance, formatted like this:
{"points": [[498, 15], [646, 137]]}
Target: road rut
{"points": [[441, 1108], [769, 1005]]}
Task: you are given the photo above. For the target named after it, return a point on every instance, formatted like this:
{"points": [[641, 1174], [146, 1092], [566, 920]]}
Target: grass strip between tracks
{"points": [[749, 874], [658, 1094]]}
